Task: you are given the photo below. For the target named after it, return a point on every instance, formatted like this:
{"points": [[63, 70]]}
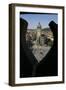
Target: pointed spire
{"points": [[39, 25]]}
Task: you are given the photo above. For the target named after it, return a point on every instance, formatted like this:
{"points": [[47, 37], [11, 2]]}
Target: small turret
{"points": [[39, 26]]}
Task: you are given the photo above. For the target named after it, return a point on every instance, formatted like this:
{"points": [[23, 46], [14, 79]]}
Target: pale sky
{"points": [[33, 19]]}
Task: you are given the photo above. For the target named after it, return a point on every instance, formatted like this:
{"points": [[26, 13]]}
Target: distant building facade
{"points": [[39, 36]]}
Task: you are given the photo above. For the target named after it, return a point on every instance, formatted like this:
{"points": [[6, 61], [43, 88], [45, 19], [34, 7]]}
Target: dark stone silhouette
{"points": [[29, 67], [49, 65], [25, 64]]}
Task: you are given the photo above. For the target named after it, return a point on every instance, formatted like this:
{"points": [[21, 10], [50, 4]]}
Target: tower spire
{"points": [[39, 25]]}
